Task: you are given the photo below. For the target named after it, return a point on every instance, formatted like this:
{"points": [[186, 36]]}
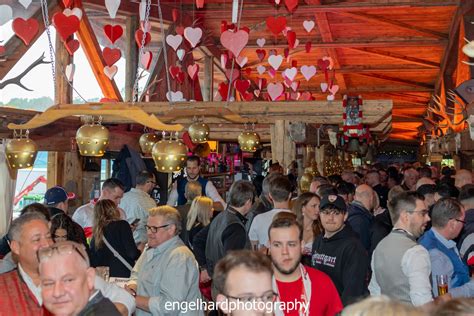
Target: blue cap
{"points": [[57, 195]]}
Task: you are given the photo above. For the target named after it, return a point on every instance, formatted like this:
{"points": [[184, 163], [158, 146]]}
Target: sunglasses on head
{"points": [[63, 247]]}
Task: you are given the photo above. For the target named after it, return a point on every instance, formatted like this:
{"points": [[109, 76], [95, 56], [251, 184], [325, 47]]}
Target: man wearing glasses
{"points": [[67, 282], [447, 218], [339, 252], [401, 267], [136, 204], [166, 273]]}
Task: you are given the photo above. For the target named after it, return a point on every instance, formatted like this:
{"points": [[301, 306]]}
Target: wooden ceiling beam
{"points": [[399, 80], [399, 42], [15, 48], [399, 57], [384, 21]]}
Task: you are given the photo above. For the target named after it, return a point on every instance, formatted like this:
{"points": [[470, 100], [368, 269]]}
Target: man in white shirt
{"points": [[112, 189], [193, 170], [137, 202], [280, 195], [401, 267]]}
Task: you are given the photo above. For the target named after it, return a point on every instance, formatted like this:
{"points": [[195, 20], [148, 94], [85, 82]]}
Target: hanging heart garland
{"points": [[308, 71], [276, 25], [234, 42], [261, 42], [72, 46], [308, 25], [111, 55], [110, 72], [275, 61], [112, 7], [65, 25], [113, 32], [193, 35], [193, 71], [174, 41], [139, 38], [26, 30], [275, 90]]}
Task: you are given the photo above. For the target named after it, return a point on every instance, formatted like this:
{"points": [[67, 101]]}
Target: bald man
{"points": [[361, 213], [423, 181], [462, 178], [372, 178]]}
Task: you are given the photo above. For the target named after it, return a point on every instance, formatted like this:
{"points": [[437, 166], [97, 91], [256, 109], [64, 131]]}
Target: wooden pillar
{"points": [[131, 56], [208, 84], [283, 147]]}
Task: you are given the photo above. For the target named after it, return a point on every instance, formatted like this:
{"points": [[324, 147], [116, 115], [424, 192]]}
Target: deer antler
{"points": [[17, 80], [439, 108]]}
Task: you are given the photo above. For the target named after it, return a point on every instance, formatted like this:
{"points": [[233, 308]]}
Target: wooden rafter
{"points": [[402, 42], [399, 80], [392, 23], [396, 56]]}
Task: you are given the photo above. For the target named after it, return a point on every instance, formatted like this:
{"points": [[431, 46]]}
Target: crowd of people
{"points": [[395, 241]]}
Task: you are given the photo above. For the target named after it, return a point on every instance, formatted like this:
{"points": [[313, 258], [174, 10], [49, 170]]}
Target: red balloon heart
{"points": [[113, 32], [276, 25], [223, 89], [174, 70], [139, 37], [72, 46], [25, 29], [261, 53], [291, 38], [291, 5], [111, 55], [65, 25], [308, 46], [242, 85]]}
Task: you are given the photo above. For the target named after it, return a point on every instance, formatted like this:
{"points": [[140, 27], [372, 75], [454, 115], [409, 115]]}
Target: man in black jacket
{"points": [[339, 253]]}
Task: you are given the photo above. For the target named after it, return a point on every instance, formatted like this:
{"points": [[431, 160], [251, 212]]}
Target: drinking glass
{"points": [[442, 280], [103, 272]]}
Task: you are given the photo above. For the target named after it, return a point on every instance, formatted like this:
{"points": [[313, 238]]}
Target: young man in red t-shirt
{"points": [[301, 290]]}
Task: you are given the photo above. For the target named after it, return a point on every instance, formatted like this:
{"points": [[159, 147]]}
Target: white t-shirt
{"points": [[259, 228]]}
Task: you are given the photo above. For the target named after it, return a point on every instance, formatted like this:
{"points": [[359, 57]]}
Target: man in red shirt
{"points": [[301, 290]]}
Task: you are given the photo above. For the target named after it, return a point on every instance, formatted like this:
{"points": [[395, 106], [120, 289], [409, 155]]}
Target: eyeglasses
{"points": [[459, 220], [63, 248], [266, 297], [423, 213], [154, 229]]}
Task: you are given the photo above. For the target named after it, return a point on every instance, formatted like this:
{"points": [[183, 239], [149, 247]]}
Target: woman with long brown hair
{"points": [[306, 208], [112, 241]]}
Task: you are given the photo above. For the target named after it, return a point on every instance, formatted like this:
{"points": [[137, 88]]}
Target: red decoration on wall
{"points": [[113, 32], [26, 30], [276, 25], [65, 25]]}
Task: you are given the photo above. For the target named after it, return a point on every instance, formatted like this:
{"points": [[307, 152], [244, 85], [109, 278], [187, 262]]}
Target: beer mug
{"points": [[442, 280]]}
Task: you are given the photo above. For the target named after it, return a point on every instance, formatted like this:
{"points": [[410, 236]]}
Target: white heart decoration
{"points": [[145, 60], [290, 73], [334, 89], [256, 92], [277, 2], [25, 3], [275, 90], [142, 10], [175, 96], [146, 27], [241, 61], [324, 86], [6, 14], [330, 97], [261, 42], [295, 85], [224, 59], [180, 53], [70, 71], [275, 61], [75, 11], [110, 72], [174, 41], [112, 7], [308, 25], [261, 69], [193, 35], [308, 71]]}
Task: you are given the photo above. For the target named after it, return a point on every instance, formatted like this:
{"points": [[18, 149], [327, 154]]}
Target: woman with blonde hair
{"points": [[199, 216], [306, 208], [112, 241]]}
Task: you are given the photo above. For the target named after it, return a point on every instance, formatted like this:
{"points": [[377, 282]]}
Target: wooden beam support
{"points": [[208, 82], [404, 42], [93, 53], [398, 57], [131, 56], [283, 147], [399, 80]]}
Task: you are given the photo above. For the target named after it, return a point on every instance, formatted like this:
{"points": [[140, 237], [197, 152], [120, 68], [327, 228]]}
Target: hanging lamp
{"points": [[169, 155], [92, 138], [198, 131], [21, 151], [249, 140], [147, 141]]}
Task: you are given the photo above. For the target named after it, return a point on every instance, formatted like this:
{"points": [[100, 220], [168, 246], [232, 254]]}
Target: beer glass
{"points": [[442, 280]]}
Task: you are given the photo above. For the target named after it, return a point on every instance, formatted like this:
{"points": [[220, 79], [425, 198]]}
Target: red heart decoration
{"points": [[180, 77], [174, 70], [139, 37], [248, 71], [193, 71], [234, 42], [248, 96], [68, 3], [174, 14], [230, 27], [323, 64], [291, 5], [223, 26], [113, 32], [65, 25], [242, 85], [180, 30], [294, 63], [291, 38], [276, 25], [199, 4], [111, 55], [306, 96], [223, 89], [25, 29], [308, 46], [72, 46], [261, 53]]}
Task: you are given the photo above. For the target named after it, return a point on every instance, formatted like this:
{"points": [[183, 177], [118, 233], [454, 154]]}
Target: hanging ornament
{"points": [[21, 152], [169, 155], [92, 139], [198, 131], [305, 182], [147, 141], [249, 140]]}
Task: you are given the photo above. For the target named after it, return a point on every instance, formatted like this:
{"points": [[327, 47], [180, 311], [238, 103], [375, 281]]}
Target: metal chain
{"points": [[140, 52], [165, 53]]}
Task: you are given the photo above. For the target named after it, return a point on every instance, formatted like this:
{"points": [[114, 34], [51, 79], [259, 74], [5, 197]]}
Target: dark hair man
{"points": [[339, 252], [193, 170], [295, 282]]}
